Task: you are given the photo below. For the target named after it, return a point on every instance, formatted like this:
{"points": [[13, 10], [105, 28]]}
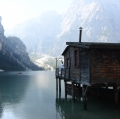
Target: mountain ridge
{"points": [[13, 54], [48, 33]]}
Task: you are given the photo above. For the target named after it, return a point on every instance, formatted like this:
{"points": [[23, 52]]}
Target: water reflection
{"points": [[68, 109], [32, 95], [12, 90], [105, 108]]}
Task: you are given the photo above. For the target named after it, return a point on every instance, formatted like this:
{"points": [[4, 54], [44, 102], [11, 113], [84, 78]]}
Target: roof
{"points": [[99, 45], [65, 50]]}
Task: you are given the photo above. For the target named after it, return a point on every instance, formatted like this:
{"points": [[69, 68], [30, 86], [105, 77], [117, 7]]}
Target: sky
{"points": [[14, 12]]}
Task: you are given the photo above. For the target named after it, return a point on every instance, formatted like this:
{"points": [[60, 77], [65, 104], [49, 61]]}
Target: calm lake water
{"points": [[32, 95]]}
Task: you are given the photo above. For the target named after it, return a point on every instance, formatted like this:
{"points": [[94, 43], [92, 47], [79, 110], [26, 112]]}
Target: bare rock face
{"points": [[13, 54], [1, 28], [16, 50], [1, 33]]}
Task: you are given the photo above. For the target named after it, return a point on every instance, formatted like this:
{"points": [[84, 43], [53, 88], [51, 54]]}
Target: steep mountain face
{"points": [[1, 33], [99, 20], [17, 51], [13, 55], [39, 34], [48, 33]]}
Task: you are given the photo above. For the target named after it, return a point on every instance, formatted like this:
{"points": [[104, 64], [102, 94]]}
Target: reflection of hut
{"points": [[92, 65], [68, 110]]}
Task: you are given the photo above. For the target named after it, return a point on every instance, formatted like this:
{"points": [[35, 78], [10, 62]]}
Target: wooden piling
{"points": [[115, 95], [84, 96], [56, 88], [59, 95], [59, 85], [73, 91], [56, 84], [98, 93], [65, 82]]}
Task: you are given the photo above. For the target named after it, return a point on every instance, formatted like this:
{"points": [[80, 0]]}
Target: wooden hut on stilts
{"points": [[92, 65]]}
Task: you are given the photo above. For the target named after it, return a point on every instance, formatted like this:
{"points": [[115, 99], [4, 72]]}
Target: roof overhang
{"points": [[97, 45], [65, 50]]}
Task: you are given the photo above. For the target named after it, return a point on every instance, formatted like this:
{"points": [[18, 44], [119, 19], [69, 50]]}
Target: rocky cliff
{"points": [[13, 54], [1, 33], [39, 34]]}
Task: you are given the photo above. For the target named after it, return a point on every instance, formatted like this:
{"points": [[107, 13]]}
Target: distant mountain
{"points": [[13, 54], [99, 19], [39, 34], [48, 33]]}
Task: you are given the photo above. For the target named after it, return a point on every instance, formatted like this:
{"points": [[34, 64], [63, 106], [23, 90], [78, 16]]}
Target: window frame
{"points": [[76, 58]]}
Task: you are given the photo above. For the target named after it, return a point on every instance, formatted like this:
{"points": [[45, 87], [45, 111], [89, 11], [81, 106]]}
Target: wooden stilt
{"points": [[56, 94], [99, 96], [65, 82], [106, 88], [84, 95], [79, 92], [79, 89], [56, 88], [73, 91], [115, 95], [85, 102], [59, 88], [60, 95], [57, 84]]}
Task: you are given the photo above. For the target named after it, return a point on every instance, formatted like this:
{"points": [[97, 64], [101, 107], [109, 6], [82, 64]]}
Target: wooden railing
{"points": [[63, 74]]}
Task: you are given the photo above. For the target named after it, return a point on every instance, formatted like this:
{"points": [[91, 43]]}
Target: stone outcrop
{"points": [[1, 27], [13, 54], [1, 33]]}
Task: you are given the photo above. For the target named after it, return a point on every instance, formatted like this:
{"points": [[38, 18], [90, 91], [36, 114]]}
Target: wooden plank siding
{"points": [[85, 66], [74, 72], [98, 63], [107, 68]]}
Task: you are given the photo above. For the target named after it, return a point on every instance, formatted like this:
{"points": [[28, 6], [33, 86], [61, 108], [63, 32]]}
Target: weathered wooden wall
{"points": [[85, 66], [74, 72], [105, 66], [67, 69]]}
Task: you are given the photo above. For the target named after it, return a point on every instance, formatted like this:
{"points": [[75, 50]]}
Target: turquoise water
{"points": [[32, 95]]}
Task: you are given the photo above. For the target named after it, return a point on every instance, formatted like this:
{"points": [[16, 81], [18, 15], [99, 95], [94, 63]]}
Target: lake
{"points": [[32, 95]]}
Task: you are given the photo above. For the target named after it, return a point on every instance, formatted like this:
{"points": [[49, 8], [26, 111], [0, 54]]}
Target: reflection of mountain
{"points": [[12, 89]]}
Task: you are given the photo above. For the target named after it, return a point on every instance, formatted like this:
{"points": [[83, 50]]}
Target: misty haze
{"points": [[33, 34]]}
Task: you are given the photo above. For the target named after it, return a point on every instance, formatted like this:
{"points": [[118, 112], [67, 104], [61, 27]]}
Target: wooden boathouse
{"points": [[92, 65]]}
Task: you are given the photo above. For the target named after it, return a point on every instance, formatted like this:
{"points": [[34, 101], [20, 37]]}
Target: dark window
{"points": [[118, 56], [76, 58], [98, 56], [67, 62], [113, 56]]}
